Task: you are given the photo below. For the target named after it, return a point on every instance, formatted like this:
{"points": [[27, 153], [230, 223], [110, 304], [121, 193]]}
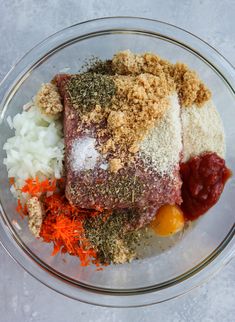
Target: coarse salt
{"points": [[84, 155], [104, 166]]}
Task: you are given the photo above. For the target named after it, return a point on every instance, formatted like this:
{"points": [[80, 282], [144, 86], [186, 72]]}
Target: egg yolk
{"points": [[168, 221]]}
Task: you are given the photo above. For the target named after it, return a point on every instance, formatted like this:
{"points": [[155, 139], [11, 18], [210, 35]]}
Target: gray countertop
{"points": [[23, 24]]}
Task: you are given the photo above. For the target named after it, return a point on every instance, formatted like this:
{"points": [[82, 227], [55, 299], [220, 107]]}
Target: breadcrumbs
{"points": [[199, 135], [48, 99], [35, 215]]}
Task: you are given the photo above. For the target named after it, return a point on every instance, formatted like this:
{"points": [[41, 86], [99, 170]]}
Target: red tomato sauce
{"points": [[203, 179]]}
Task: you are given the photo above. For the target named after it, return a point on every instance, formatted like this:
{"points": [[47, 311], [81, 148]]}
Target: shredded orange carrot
{"points": [[99, 269], [106, 216], [12, 180], [63, 222], [63, 225], [35, 188], [21, 209]]}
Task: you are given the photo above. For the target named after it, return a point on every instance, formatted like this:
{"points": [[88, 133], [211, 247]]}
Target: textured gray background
{"points": [[24, 23]]}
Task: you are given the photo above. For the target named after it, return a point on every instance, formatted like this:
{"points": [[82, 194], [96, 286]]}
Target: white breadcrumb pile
{"points": [[161, 148], [36, 148], [202, 131], [48, 99], [35, 215]]}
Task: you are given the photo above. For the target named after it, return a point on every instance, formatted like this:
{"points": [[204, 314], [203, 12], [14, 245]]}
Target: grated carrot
{"points": [[21, 209], [63, 225], [12, 180], [63, 222], [35, 188]]}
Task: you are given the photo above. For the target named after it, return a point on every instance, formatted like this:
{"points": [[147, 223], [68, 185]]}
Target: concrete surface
{"points": [[23, 24]]}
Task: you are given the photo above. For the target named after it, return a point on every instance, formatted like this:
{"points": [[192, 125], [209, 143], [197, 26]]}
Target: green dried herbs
{"points": [[117, 187], [107, 233], [94, 64], [90, 89], [101, 67]]}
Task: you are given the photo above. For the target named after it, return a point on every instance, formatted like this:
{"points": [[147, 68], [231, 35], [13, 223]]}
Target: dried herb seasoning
{"points": [[107, 233], [117, 187], [90, 89], [94, 64], [103, 67]]}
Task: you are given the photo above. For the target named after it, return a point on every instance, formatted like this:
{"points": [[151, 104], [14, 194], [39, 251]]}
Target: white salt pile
{"points": [[84, 155]]}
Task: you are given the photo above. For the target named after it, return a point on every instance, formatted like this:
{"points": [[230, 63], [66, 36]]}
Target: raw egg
{"points": [[168, 221]]}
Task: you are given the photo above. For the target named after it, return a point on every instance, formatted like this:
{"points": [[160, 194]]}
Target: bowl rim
{"points": [[10, 241]]}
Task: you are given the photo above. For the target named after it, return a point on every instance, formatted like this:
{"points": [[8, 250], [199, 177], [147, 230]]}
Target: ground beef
{"points": [[135, 187]]}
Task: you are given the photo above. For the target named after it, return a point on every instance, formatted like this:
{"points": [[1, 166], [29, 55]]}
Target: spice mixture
{"points": [[90, 89], [131, 101], [107, 234]]}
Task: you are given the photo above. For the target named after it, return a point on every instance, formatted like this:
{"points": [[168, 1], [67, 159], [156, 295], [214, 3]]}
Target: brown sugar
{"points": [[115, 165], [139, 101], [203, 95], [189, 87], [116, 119]]}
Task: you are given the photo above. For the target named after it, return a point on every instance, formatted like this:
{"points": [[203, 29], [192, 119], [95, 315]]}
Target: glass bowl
{"points": [[203, 249]]}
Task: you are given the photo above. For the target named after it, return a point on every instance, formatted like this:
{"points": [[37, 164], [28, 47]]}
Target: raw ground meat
{"points": [[134, 187]]}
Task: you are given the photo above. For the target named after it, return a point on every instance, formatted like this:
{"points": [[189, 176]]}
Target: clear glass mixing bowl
{"points": [[203, 249]]}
